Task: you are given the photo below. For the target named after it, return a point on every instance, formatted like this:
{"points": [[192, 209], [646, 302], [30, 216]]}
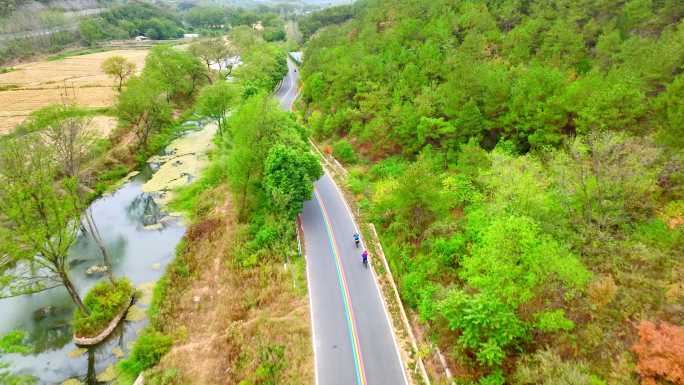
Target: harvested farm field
{"points": [[77, 79]]}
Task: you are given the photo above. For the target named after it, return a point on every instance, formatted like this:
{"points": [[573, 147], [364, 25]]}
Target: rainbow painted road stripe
{"points": [[346, 296]]}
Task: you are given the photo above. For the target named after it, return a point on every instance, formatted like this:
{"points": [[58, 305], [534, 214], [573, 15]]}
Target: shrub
{"points": [[495, 378], [488, 327], [602, 291], [118, 172], [104, 301], [547, 368], [553, 321], [272, 363], [15, 342], [163, 377], [147, 351], [344, 151], [660, 350]]}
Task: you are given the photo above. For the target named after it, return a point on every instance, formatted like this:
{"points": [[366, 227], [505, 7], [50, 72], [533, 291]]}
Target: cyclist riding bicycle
{"points": [[357, 239], [365, 258]]}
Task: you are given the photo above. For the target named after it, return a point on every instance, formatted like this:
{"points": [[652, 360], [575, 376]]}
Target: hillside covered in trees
{"points": [[523, 161]]}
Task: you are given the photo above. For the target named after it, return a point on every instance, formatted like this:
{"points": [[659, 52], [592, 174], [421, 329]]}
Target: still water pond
{"points": [[139, 253]]}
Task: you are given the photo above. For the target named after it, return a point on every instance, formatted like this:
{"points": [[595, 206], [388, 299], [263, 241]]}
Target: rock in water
{"points": [[43, 312], [156, 226], [118, 353], [146, 290], [108, 374], [72, 381], [145, 210], [135, 314], [77, 352], [97, 269]]}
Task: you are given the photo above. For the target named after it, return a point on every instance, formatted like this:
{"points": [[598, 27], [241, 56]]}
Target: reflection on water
{"points": [[138, 253], [144, 209]]}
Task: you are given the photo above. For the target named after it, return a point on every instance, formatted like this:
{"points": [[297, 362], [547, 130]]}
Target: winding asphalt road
{"points": [[289, 87], [353, 341]]}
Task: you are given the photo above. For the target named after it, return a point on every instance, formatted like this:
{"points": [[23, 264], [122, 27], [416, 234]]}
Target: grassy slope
{"points": [[227, 319]]}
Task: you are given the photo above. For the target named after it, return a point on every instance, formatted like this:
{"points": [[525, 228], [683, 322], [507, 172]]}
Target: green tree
{"points": [[214, 50], [217, 99], [119, 68], [535, 114], [671, 104], [91, 31], [253, 129], [289, 174], [562, 45], [43, 218], [178, 73], [144, 106], [488, 327], [413, 201], [634, 14], [7, 7], [514, 261]]}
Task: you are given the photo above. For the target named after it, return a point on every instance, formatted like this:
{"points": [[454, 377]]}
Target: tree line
{"points": [[262, 160]]}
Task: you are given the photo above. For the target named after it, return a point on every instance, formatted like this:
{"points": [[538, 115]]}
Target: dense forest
{"points": [[130, 20], [211, 18], [317, 20], [523, 162], [121, 21]]}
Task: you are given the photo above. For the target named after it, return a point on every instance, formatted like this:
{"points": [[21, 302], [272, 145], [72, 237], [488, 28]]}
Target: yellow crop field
{"points": [[77, 79]]}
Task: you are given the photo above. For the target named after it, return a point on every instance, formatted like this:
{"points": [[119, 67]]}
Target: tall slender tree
{"points": [[42, 220]]}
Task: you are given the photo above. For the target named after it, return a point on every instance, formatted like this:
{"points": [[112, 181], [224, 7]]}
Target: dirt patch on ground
{"points": [[103, 125], [234, 320], [76, 79]]}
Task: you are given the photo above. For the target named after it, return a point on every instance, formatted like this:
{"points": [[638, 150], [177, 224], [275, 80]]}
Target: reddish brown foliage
{"points": [[661, 352]]}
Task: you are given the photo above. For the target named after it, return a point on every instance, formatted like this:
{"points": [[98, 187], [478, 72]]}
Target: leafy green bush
{"points": [[553, 321], [149, 348], [104, 301], [271, 364], [495, 378], [344, 151], [107, 177], [15, 342], [488, 327]]}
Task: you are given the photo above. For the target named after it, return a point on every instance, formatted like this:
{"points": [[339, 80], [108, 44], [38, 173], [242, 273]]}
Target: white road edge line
{"points": [[375, 281], [311, 315], [308, 278]]}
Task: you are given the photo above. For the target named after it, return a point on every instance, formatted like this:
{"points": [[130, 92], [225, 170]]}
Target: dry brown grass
{"points": [[41, 83], [228, 315]]}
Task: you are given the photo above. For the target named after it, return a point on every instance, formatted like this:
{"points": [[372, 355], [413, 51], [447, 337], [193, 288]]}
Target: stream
{"points": [[142, 241]]}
